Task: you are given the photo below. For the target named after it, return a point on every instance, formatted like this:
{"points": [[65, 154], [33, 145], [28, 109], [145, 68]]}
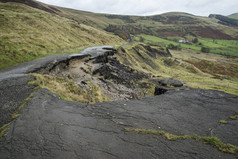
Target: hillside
{"points": [[162, 86], [234, 16], [27, 33], [224, 20], [30, 29]]}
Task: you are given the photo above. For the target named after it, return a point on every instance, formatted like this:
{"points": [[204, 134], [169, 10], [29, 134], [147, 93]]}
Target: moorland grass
{"points": [[27, 33]]}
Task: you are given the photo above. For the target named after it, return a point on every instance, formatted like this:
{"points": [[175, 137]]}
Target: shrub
{"points": [[174, 47], [195, 40], [205, 49]]}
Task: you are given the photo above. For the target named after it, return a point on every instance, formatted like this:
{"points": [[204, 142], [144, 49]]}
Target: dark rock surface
{"points": [[52, 128], [170, 82], [12, 94]]}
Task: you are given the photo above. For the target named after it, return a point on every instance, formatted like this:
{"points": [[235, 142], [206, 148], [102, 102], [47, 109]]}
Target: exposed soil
{"points": [[117, 81]]}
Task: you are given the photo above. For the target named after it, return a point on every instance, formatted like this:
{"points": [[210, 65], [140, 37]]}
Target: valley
{"points": [[77, 84]]}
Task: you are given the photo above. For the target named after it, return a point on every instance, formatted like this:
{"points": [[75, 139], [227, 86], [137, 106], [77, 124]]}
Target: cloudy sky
{"points": [[150, 7]]}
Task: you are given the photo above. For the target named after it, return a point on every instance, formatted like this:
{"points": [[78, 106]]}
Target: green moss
{"points": [[223, 121], [15, 115], [233, 117], [214, 141], [25, 101], [3, 130]]}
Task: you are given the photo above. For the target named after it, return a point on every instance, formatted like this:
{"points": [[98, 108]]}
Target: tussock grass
{"points": [[3, 130], [67, 89], [214, 141]]}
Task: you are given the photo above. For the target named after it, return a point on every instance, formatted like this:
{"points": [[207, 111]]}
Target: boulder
{"points": [[170, 82]]}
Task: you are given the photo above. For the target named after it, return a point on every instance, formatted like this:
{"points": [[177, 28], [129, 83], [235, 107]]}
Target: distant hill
{"points": [[234, 16], [31, 29], [225, 20]]}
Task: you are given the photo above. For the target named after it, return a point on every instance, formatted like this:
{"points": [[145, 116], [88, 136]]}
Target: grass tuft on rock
{"points": [[3, 130], [233, 117], [67, 89], [214, 141], [223, 122]]}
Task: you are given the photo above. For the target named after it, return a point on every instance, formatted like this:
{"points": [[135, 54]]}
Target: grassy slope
{"points": [[195, 70], [234, 16], [175, 22], [27, 33]]}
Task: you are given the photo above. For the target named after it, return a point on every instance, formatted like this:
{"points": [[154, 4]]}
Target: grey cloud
{"points": [[150, 7]]}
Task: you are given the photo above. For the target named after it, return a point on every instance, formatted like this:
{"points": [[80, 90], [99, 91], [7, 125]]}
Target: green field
{"points": [[234, 16], [217, 46]]}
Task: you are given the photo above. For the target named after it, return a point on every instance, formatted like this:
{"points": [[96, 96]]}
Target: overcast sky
{"points": [[150, 7]]}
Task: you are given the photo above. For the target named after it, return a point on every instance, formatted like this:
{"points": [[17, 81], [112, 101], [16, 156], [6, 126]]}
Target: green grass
{"points": [[3, 130], [197, 77], [234, 16], [233, 117], [25, 101], [15, 115], [214, 141], [224, 47], [27, 33], [223, 122], [217, 46]]}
